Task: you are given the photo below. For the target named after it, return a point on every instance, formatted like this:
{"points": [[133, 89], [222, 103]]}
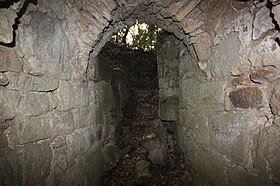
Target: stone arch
{"points": [[151, 13], [50, 111]]}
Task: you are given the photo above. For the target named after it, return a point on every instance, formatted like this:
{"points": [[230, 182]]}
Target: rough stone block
{"points": [[36, 84], [55, 8], [36, 160], [276, 12], [275, 2], [275, 100], [268, 151], [168, 109], [170, 82], [111, 155], [158, 156], [143, 174], [189, 94], [3, 79], [59, 162], [10, 167], [192, 22], [7, 19], [45, 46], [83, 116], [212, 92], [185, 10], [168, 92], [265, 75], [203, 43], [71, 95], [262, 23], [242, 80], [30, 129], [151, 144], [9, 61], [227, 134], [174, 7], [250, 97], [266, 53], [79, 142], [99, 69], [35, 104], [226, 56], [3, 139], [9, 102]]}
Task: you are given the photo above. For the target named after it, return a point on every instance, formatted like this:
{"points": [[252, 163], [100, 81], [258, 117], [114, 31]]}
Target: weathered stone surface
{"points": [[111, 155], [88, 168], [169, 82], [55, 8], [36, 160], [79, 142], [191, 22], [7, 19], [168, 109], [30, 129], [10, 167], [275, 2], [275, 100], [158, 156], [3, 79], [185, 10], [9, 102], [46, 47], [71, 95], [269, 150], [36, 84], [99, 69], [174, 7], [266, 53], [262, 23], [151, 144], [120, 2], [250, 97], [3, 139], [226, 56], [242, 80], [265, 75], [143, 174], [35, 104], [9, 61], [54, 43], [276, 12], [203, 43], [228, 134], [59, 163], [212, 92], [187, 179]]}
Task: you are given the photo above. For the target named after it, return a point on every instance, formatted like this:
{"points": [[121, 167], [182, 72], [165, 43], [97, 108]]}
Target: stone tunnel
{"points": [[218, 76]]}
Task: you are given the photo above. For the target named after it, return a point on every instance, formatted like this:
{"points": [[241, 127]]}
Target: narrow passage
{"points": [[144, 133]]}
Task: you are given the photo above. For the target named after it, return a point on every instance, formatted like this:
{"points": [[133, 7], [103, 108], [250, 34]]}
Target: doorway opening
{"points": [[143, 150]]}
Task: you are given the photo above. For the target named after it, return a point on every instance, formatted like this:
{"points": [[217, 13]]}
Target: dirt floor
{"points": [[138, 114]]}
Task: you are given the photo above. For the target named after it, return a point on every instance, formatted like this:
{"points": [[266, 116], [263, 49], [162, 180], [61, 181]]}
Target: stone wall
{"points": [[138, 67], [57, 109], [57, 114], [228, 83], [168, 60]]}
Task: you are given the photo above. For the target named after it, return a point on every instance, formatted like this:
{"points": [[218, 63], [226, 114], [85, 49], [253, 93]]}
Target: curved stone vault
{"points": [[60, 103]]}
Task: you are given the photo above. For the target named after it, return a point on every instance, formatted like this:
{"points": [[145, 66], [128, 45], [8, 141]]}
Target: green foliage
{"points": [[139, 36]]}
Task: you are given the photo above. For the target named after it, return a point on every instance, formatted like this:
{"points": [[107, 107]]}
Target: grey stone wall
{"points": [[138, 67], [55, 115], [168, 60]]}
